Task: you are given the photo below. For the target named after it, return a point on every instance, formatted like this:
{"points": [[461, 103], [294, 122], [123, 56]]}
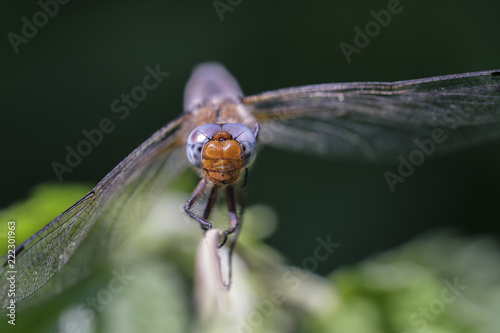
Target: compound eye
{"points": [[245, 137], [197, 139]]}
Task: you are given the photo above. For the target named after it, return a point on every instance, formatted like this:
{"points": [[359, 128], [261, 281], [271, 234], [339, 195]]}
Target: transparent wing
{"points": [[380, 120], [98, 221]]}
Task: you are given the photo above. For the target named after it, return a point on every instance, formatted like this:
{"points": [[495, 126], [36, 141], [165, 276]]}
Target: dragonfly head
{"points": [[221, 151]]}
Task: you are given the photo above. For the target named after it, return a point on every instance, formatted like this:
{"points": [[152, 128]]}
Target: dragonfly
{"points": [[218, 134]]}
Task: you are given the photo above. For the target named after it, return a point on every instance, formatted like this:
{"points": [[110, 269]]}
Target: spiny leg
{"points": [[246, 178], [211, 202], [204, 224], [235, 226], [233, 215], [239, 199]]}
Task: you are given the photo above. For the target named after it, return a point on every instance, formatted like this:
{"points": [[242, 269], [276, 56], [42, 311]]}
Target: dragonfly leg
{"points": [[204, 224], [211, 202], [235, 225], [233, 215], [246, 178]]}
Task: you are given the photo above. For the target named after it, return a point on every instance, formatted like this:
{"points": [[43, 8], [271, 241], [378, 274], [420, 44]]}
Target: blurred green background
{"points": [[65, 78]]}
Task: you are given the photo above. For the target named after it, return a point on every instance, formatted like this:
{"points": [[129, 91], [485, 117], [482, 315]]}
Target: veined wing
{"points": [[98, 221], [380, 120]]}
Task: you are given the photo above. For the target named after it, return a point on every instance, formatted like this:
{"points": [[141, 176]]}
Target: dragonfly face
{"points": [[222, 159], [376, 121], [221, 151]]}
